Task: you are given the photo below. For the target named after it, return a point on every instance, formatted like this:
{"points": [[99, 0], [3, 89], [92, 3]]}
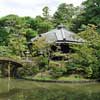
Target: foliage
{"points": [[64, 15], [46, 13], [57, 69], [3, 50], [43, 46], [73, 77], [16, 34], [86, 56], [39, 24], [89, 14]]}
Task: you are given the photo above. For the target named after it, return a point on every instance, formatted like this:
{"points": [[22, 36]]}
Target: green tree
{"points": [[13, 33], [79, 22], [17, 44], [46, 13], [3, 36], [57, 69], [87, 54], [64, 14], [42, 51], [90, 14]]}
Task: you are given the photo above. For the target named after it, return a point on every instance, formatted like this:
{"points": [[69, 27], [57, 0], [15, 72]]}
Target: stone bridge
{"points": [[13, 63]]}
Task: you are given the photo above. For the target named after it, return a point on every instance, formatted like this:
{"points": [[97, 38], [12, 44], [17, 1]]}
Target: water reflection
{"points": [[24, 90]]}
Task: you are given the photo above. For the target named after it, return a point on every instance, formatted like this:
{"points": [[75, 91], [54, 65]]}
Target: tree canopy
{"points": [[16, 34], [89, 14]]}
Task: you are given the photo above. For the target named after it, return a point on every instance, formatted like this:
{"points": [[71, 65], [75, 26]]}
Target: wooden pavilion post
{"points": [[9, 64]]}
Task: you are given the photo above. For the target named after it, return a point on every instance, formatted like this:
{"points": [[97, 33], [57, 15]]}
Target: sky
{"points": [[31, 8]]}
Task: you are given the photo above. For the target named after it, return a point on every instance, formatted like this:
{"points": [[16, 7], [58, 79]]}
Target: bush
{"points": [[57, 69]]}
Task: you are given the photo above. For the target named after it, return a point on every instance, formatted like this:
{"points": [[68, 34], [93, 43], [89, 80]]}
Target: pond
{"points": [[29, 90]]}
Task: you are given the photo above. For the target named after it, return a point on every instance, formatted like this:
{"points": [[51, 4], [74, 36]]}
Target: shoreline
{"points": [[61, 81]]}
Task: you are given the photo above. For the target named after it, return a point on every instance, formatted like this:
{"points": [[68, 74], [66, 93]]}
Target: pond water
{"points": [[29, 90]]}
